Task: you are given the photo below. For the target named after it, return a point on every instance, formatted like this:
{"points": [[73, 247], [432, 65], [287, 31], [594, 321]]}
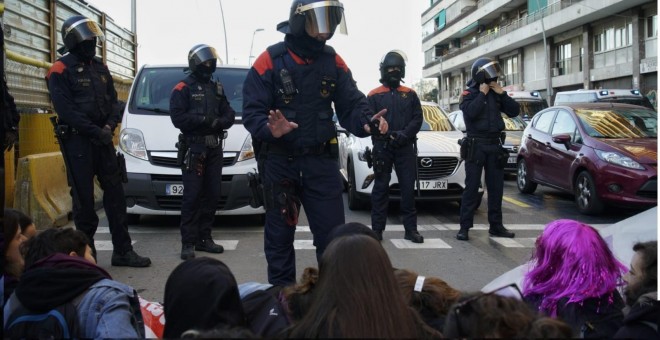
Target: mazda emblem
{"points": [[426, 162]]}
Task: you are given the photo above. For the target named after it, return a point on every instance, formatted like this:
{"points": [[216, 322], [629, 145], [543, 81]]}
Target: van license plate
{"points": [[174, 189], [432, 185], [511, 160]]}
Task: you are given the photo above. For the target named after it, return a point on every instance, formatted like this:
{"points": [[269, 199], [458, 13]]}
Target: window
{"points": [[564, 58], [564, 124], [510, 71], [652, 26], [542, 122]]}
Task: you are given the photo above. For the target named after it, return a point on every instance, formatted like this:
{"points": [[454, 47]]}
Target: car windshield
{"points": [[643, 101], [619, 123], [435, 120], [154, 86], [529, 108]]}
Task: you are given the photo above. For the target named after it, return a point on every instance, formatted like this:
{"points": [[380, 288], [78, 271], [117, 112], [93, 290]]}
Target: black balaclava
{"points": [[392, 79], [204, 73], [201, 294], [304, 46], [85, 50]]}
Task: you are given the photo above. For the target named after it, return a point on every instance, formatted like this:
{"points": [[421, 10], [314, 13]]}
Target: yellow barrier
{"points": [[42, 191], [9, 177], [35, 134]]}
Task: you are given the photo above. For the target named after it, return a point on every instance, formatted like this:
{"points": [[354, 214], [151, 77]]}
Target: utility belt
{"points": [[211, 141], [498, 138], [315, 150]]}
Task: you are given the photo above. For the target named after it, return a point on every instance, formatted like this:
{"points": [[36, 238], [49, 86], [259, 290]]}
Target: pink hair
{"points": [[571, 261]]}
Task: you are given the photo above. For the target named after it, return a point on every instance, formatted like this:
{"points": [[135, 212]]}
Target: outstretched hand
{"points": [[278, 124], [382, 123]]}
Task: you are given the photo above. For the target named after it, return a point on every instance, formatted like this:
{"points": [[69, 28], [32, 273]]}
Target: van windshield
{"points": [[151, 94], [529, 108]]}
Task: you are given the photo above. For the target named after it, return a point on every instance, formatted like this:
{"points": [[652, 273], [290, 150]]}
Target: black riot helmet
{"points": [[77, 29], [199, 54], [485, 70], [314, 17], [393, 58]]}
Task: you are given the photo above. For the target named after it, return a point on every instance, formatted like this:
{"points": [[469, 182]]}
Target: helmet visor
{"points": [[203, 53], [491, 70], [323, 17], [84, 29]]}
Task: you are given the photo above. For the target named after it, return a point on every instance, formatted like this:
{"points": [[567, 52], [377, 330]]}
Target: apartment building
{"points": [[543, 45]]}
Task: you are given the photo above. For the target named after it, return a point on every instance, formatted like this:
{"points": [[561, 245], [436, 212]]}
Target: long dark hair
{"points": [[357, 295]]}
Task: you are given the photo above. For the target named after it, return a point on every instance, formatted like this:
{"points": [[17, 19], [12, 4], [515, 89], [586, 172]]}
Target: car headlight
{"points": [[247, 151], [131, 141], [618, 159]]}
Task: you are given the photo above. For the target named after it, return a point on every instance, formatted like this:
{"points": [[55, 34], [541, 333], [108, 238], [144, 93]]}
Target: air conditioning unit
{"points": [[555, 71]]}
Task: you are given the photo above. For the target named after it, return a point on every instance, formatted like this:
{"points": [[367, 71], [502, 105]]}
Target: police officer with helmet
{"points": [[84, 97], [481, 103], [397, 147], [288, 99], [199, 108]]}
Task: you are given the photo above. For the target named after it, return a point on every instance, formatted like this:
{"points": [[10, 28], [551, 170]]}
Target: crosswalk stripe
{"points": [[511, 242], [105, 245], [429, 243]]}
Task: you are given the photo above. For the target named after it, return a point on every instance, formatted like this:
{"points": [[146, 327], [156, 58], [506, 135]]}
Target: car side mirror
{"points": [[564, 139]]}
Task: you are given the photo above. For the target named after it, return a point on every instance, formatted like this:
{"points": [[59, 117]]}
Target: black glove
{"points": [[398, 139], [105, 137], [211, 122], [11, 138]]}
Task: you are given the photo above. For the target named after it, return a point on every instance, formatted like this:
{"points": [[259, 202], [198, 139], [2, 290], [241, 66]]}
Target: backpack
{"points": [[58, 323], [264, 313]]}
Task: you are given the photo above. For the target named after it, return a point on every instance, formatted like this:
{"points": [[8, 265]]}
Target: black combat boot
{"points": [[463, 234], [187, 251], [414, 236], [209, 246], [129, 259], [500, 231], [379, 234]]}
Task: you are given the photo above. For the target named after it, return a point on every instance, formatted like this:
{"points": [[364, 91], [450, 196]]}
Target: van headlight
{"points": [[247, 151], [131, 141], [618, 159]]}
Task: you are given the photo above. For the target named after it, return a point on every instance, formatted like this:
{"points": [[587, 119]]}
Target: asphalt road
{"points": [[465, 265]]}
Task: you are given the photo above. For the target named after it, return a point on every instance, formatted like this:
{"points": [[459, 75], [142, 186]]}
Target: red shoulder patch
{"points": [[405, 89], [379, 89], [465, 93], [179, 86], [263, 63], [341, 63], [58, 67]]}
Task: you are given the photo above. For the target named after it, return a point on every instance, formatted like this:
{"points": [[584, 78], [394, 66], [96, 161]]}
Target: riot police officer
{"points": [[287, 107], [396, 148], [199, 108], [481, 103], [84, 97]]}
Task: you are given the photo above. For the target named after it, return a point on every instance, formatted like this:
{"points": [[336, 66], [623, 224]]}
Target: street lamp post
{"points": [[252, 44], [224, 29]]}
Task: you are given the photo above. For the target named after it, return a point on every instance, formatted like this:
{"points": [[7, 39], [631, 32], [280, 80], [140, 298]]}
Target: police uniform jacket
{"points": [[482, 112], [83, 94], [404, 110], [192, 100], [319, 84]]}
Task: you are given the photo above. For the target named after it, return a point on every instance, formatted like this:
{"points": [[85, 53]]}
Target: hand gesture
{"points": [[278, 124], [496, 87], [484, 88], [382, 123]]}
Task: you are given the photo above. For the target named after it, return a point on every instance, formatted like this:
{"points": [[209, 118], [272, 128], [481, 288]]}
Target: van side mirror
{"points": [[564, 139]]}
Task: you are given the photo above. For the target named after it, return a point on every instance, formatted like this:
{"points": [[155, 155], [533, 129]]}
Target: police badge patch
{"points": [[404, 95]]}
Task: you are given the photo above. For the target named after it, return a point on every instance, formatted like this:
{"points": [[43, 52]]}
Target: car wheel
{"points": [[586, 197], [354, 203], [525, 184], [132, 218]]}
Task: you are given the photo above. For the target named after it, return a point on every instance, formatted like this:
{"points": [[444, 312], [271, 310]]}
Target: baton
{"points": [[58, 137]]}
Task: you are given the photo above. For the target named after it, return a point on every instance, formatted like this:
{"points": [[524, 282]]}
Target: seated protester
{"points": [[357, 296], [574, 276], [201, 294], [60, 269], [642, 311], [549, 328], [491, 315], [12, 260], [431, 297], [297, 298]]}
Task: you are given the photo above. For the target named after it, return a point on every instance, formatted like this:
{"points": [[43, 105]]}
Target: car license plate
{"points": [[511, 160], [432, 185], [174, 189]]}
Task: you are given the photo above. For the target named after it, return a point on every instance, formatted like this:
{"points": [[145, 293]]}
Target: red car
{"points": [[603, 153]]}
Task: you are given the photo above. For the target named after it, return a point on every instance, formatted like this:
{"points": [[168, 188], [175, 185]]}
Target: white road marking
{"points": [[429, 243], [303, 244]]}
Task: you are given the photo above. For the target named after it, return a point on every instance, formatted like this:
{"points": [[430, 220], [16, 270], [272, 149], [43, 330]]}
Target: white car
{"points": [[441, 172], [147, 139]]}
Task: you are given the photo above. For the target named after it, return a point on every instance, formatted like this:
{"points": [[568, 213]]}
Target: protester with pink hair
{"points": [[574, 277]]}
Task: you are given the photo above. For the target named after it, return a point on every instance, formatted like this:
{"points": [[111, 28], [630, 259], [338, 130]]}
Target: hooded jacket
{"points": [[638, 323]]}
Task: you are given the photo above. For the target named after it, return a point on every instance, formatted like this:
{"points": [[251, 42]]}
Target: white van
{"points": [[147, 139], [530, 102], [604, 95]]}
